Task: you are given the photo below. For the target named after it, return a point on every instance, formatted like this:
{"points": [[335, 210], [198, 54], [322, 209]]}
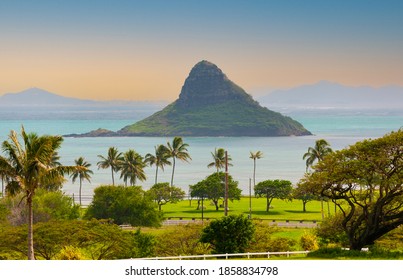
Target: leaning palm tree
{"points": [[255, 156], [112, 161], [28, 166], [83, 173], [219, 159], [132, 167], [317, 153], [159, 159], [178, 150]]}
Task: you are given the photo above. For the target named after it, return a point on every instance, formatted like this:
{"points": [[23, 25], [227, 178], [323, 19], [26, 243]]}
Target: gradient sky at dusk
{"points": [[144, 50]]}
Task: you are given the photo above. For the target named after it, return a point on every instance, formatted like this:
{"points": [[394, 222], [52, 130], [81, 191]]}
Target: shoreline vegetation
{"points": [[119, 205]]}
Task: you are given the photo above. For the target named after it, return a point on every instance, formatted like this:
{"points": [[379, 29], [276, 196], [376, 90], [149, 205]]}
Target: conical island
{"points": [[211, 105]]}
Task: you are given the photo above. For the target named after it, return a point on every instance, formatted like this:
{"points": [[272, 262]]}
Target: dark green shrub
{"points": [[230, 234]]}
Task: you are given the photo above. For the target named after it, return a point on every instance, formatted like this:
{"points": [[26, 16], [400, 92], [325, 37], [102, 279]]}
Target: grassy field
{"points": [[281, 210]]}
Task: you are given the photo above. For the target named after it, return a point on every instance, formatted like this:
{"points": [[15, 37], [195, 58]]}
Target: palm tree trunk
{"points": [[156, 173], [31, 255], [113, 178], [254, 172], [79, 193], [173, 171]]}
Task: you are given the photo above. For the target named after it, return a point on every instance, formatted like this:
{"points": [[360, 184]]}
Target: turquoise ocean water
{"points": [[282, 155]]}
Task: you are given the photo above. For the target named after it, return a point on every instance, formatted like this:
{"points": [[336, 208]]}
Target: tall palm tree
{"points": [[219, 159], [112, 161], [132, 167], [82, 173], [178, 150], [28, 166], [160, 159], [317, 153], [255, 156]]}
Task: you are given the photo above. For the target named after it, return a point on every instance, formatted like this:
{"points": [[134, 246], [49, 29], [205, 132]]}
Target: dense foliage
{"points": [[213, 188], [230, 234], [47, 206], [97, 240], [124, 205], [365, 181], [271, 189]]}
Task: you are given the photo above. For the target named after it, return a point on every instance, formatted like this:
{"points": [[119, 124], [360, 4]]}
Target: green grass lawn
{"points": [[281, 210]]}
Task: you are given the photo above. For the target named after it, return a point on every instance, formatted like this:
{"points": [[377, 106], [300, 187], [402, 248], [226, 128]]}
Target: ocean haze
{"points": [[331, 95]]}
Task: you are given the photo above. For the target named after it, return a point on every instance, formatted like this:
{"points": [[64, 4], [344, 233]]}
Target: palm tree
{"points": [[178, 150], [219, 159], [132, 167], [160, 159], [255, 156], [113, 161], [83, 173], [29, 166], [317, 153]]}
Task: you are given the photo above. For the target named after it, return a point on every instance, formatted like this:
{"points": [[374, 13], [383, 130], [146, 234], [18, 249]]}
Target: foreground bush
{"points": [[182, 240], [47, 206], [230, 234], [97, 240]]}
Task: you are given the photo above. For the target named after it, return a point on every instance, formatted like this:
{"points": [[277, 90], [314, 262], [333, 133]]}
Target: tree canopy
{"points": [[162, 193], [365, 181], [213, 187], [124, 205], [271, 189], [230, 234]]}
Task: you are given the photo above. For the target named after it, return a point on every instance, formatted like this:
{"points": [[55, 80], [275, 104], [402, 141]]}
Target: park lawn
{"points": [[280, 210]]}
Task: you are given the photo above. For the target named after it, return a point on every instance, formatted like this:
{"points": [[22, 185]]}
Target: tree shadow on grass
{"points": [[301, 212], [264, 213]]}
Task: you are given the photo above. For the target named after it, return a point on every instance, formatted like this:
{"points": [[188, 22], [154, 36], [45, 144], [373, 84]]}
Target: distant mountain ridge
{"points": [[325, 94], [36, 97]]}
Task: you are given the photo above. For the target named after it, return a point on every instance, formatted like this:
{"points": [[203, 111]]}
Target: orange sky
{"points": [[145, 52]]}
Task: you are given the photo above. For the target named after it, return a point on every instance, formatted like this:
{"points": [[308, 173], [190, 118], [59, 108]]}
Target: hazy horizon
{"points": [[144, 50]]}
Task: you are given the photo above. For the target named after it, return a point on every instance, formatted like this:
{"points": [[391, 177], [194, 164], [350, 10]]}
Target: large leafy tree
{"points": [[213, 188], [132, 167], [177, 150], [271, 189], [124, 205], [230, 234], [30, 165], [219, 159], [160, 158], [365, 181], [254, 157], [112, 161], [163, 193], [82, 173]]}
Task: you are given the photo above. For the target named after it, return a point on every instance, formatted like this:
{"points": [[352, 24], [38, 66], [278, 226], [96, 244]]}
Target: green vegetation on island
{"points": [[212, 105]]}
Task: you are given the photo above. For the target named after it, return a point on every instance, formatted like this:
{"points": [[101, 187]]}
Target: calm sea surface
{"points": [[282, 155]]}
